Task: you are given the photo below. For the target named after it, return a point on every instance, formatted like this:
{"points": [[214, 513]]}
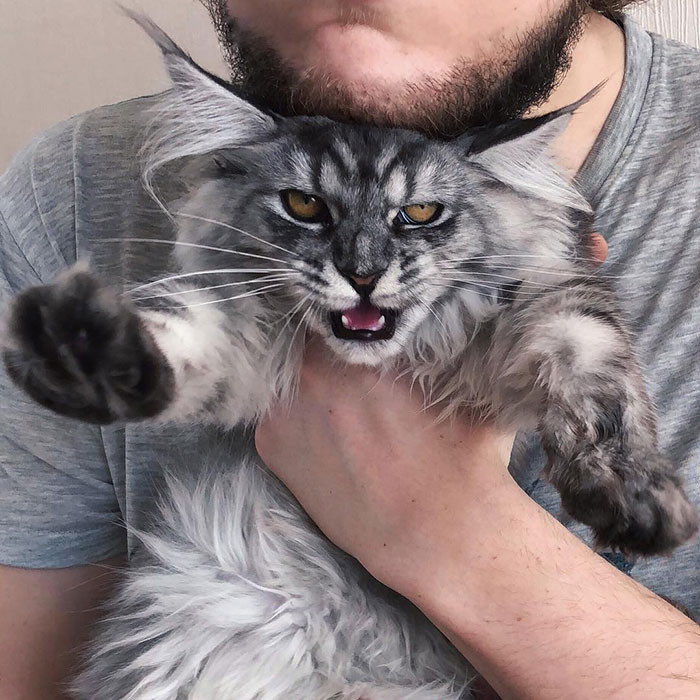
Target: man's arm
{"points": [[430, 510], [542, 616], [46, 615]]}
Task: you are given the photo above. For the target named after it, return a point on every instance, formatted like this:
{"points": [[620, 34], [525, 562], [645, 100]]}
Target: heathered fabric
{"points": [[66, 488]]}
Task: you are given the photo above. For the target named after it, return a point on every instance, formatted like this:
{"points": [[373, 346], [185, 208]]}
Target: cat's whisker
{"points": [[520, 293], [296, 330], [430, 308], [499, 256], [238, 230], [492, 296], [571, 275], [290, 314], [135, 285], [187, 244], [523, 283], [220, 271], [254, 293], [264, 278], [594, 274], [460, 265]]}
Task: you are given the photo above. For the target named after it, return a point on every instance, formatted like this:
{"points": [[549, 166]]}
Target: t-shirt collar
{"points": [[621, 122]]}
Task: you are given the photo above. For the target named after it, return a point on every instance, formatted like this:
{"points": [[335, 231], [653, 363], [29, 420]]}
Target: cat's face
{"points": [[362, 234], [371, 221], [379, 228]]}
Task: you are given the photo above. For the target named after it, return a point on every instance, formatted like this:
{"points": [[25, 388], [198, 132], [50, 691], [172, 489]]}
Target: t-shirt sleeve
{"points": [[58, 505]]}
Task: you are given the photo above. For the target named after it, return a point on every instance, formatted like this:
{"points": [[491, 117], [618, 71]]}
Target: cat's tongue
{"points": [[363, 317]]}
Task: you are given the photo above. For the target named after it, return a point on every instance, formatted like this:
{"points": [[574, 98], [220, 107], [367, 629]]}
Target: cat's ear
{"points": [[202, 91], [200, 114], [519, 154]]}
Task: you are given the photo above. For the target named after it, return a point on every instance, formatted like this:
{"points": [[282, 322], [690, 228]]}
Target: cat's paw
{"points": [[77, 348], [632, 500]]}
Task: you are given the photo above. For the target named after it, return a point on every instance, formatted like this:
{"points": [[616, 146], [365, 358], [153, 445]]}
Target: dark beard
{"points": [[470, 95]]}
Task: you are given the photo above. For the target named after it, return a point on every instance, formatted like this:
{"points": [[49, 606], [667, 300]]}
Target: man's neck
{"points": [[598, 56]]}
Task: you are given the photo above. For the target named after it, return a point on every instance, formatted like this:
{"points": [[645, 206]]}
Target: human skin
{"points": [[46, 615]]}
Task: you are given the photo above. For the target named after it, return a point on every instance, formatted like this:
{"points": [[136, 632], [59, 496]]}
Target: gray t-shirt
{"points": [[67, 488]]}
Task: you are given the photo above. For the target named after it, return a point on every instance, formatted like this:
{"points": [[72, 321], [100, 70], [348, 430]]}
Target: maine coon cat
{"points": [[462, 264]]}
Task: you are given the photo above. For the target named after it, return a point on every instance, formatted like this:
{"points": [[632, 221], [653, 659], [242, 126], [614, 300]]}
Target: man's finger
{"points": [[599, 248]]}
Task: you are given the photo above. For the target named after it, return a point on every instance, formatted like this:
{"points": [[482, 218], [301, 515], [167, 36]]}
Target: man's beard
{"points": [[471, 94]]}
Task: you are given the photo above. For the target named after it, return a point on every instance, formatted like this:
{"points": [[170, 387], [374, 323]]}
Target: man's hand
{"points": [[373, 469]]}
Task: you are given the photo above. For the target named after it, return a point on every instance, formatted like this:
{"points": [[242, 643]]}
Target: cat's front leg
{"points": [[82, 349], [598, 426]]}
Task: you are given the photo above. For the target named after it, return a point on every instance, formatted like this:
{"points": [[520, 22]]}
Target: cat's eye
{"points": [[419, 214], [305, 207]]}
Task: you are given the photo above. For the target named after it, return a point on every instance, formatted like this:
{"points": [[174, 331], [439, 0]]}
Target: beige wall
{"points": [[61, 57]]}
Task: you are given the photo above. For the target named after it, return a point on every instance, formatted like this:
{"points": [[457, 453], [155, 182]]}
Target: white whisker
{"points": [[498, 256], [520, 293], [220, 271], [254, 293], [264, 278], [462, 289], [453, 264], [430, 308], [296, 330], [187, 244], [538, 270], [524, 283], [491, 297], [290, 314], [239, 230]]}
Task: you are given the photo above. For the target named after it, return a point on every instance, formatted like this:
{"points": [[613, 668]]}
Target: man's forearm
{"points": [[46, 616], [541, 616]]}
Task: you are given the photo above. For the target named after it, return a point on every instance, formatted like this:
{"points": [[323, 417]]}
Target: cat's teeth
{"points": [[381, 322]]}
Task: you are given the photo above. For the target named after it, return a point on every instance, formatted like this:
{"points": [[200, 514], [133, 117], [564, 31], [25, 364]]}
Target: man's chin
{"points": [[357, 71], [368, 65]]}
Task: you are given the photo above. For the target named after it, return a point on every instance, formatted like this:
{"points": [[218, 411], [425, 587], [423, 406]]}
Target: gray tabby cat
{"points": [[459, 263]]}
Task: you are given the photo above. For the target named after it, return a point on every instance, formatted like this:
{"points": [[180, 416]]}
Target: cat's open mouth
{"points": [[364, 322]]}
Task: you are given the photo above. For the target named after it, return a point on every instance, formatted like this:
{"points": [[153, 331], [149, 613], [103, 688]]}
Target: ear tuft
{"points": [[544, 128], [519, 154], [181, 67], [166, 44]]}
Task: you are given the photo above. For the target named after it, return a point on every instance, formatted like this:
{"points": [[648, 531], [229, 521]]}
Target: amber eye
{"points": [[305, 207], [418, 214]]}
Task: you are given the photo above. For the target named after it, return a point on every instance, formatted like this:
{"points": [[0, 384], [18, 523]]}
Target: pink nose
{"points": [[363, 281]]}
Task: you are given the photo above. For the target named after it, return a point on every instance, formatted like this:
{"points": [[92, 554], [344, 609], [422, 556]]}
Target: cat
{"points": [[463, 264]]}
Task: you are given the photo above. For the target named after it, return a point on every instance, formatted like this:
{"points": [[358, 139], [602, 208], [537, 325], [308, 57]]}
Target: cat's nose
{"points": [[364, 281], [363, 284]]}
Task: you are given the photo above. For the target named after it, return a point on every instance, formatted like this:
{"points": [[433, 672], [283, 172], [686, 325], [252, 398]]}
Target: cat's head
{"points": [[368, 233]]}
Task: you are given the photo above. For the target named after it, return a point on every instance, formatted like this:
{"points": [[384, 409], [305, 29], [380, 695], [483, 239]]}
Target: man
{"points": [[432, 511]]}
